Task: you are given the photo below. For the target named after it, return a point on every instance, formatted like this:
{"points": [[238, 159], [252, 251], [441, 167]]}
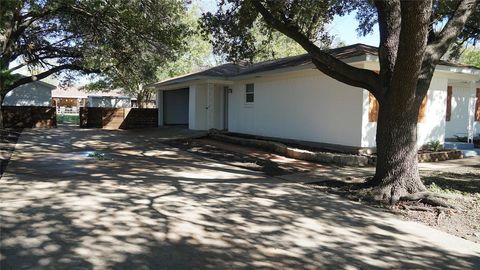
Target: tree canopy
{"points": [[471, 56], [85, 36], [199, 53]]}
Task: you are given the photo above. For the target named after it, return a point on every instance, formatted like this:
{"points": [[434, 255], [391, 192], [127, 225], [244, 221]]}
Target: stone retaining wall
{"points": [[328, 157], [281, 149], [440, 156]]}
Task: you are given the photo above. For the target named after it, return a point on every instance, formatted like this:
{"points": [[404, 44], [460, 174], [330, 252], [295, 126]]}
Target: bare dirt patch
{"points": [[461, 188]]}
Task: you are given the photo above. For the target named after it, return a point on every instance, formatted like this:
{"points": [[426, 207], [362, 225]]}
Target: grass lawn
{"points": [[68, 119]]}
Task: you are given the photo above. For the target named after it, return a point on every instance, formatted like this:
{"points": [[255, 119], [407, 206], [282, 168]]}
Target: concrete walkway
{"points": [[149, 206]]}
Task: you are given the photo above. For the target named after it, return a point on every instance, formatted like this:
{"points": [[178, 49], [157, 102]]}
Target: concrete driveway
{"points": [[145, 205]]}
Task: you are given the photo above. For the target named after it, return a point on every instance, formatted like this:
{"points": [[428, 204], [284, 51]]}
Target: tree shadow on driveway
{"points": [[154, 207]]}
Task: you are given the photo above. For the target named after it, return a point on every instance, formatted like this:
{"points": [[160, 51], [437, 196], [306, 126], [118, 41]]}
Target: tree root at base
{"points": [[429, 198], [361, 191]]}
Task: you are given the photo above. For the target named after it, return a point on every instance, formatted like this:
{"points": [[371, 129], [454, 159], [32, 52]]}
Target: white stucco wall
{"points": [[32, 94], [461, 97], [433, 126], [109, 102], [305, 105]]}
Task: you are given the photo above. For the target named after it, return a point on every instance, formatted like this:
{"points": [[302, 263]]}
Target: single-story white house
{"points": [[36, 93], [290, 99]]}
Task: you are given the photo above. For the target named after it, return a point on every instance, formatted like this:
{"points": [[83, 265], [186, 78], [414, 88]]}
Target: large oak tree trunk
{"points": [[397, 162]]}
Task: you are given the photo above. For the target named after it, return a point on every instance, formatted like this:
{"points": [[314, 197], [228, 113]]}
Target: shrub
{"points": [[435, 146]]}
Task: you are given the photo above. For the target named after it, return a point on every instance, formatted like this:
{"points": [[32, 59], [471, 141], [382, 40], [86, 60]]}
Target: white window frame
{"points": [[247, 93]]}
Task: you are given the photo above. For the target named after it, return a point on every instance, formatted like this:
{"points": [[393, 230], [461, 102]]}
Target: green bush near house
{"points": [[68, 119], [434, 146]]}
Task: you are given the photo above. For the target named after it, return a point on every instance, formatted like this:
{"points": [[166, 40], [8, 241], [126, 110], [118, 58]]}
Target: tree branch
{"points": [[324, 61], [412, 43], [440, 44], [47, 73]]}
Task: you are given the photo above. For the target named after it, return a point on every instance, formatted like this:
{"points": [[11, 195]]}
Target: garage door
{"points": [[175, 107]]}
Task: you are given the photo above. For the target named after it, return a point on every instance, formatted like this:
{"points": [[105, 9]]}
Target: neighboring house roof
{"points": [[231, 70], [43, 83], [75, 92]]}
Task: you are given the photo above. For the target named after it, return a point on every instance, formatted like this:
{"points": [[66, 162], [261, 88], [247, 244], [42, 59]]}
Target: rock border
{"points": [[328, 157], [446, 154], [284, 150]]}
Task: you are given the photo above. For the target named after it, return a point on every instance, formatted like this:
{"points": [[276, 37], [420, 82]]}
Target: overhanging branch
{"points": [[324, 61], [47, 73], [438, 46]]}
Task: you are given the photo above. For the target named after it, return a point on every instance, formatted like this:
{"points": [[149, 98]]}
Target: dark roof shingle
{"points": [[231, 69]]}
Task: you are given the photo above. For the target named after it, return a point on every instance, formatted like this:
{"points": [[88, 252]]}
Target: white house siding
{"points": [[433, 126], [462, 96], [305, 105], [32, 94], [109, 102]]}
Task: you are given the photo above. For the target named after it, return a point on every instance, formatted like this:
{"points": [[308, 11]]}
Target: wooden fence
{"points": [[29, 117], [118, 118]]}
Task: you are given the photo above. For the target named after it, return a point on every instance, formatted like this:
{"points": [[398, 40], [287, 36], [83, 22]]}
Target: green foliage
{"points": [[137, 65], [89, 35], [197, 55], [98, 156], [435, 146], [441, 190], [471, 56], [68, 119], [273, 45], [238, 31], [234, 25]]}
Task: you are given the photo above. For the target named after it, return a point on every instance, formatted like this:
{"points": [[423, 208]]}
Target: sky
{"points": [[344, 28]]}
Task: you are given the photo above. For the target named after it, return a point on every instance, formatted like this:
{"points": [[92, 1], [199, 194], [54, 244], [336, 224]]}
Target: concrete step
{"points": [[471, 152]]}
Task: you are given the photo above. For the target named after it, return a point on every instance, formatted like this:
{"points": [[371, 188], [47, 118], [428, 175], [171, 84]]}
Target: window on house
{"points": [[423, 110], [372, 108], [249, 93], [448, 114], [477, 106]]}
